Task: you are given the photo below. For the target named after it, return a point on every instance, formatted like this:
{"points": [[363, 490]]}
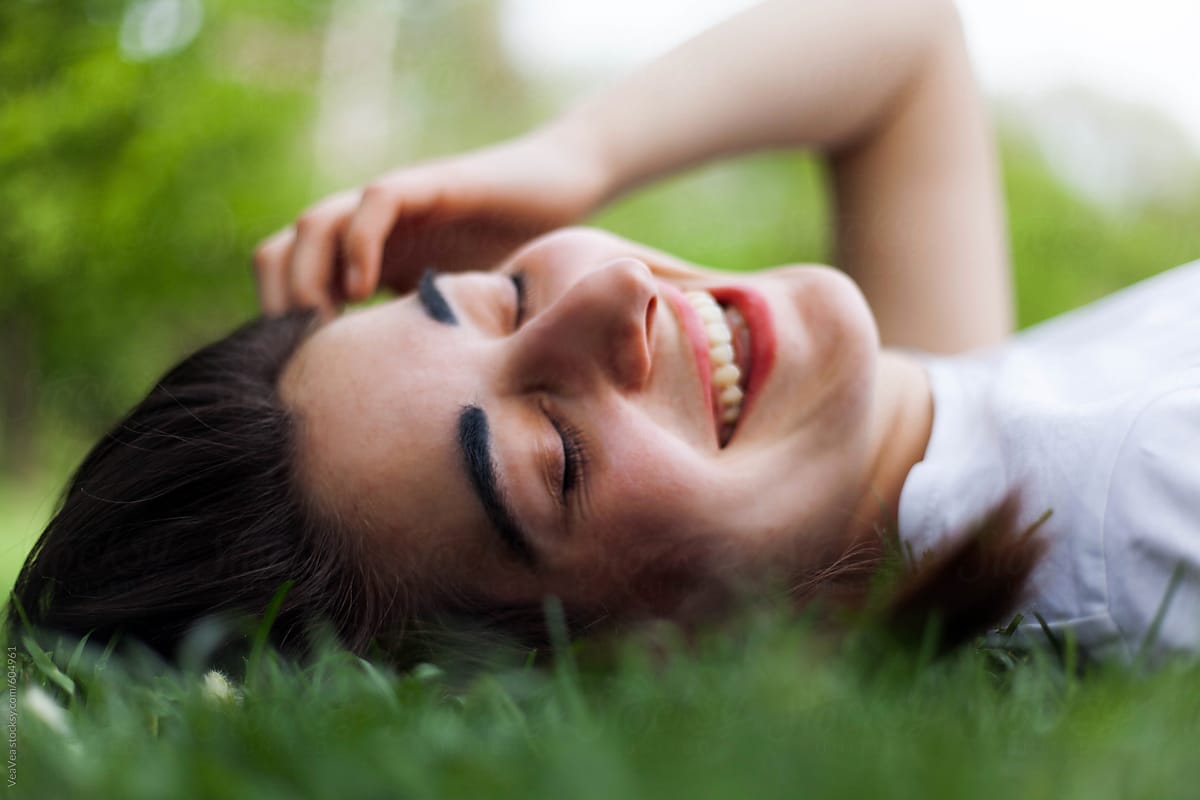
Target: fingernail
{"points": [[351, 280]]}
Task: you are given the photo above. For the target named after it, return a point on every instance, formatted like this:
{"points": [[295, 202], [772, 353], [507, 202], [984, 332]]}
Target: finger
{"points": [[270, 271], [383, 205], [314, 258]]}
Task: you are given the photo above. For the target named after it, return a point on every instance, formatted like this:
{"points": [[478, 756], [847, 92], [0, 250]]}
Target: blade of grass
{"points": [[45, 665], [566, 671], [1151, 638], [254, 664], [77, 653]]}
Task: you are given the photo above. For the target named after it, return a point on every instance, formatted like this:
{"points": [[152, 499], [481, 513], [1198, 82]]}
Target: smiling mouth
{"points": [[732, 338], [729, 359]]}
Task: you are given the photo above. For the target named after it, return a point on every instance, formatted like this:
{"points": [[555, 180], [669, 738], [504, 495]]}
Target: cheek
{"points": [[651, 513], [647, 555]]}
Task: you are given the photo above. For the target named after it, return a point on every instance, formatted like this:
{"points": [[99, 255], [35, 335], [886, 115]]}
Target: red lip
{"points": [[693, 328], [754, 309]]}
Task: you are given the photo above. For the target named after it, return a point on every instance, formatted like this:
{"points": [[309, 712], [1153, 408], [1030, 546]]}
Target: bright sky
{"points": [[1145, 51]]}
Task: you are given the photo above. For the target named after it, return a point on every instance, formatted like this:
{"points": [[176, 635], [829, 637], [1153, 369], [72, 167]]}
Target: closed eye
{"points": [[518, 282], [574, 456]]}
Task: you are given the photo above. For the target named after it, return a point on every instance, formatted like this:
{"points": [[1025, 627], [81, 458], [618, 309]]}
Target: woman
{"points": [[636, 435]]}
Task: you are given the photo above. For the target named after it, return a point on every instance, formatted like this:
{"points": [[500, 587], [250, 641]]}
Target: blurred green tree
{"points": [[146, 145], [132, 181]]}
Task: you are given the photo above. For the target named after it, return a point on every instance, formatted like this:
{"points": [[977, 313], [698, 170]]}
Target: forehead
{"points": [[377, 396]]}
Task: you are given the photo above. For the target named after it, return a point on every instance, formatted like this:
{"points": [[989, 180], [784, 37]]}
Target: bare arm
{"points": [[884, 89]]}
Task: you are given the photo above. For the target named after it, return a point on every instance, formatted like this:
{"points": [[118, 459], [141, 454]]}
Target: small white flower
{"points": [[42, 706], [216, 687]]}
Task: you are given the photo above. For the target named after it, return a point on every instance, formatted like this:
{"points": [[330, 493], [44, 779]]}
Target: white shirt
{"points": [[1094, 415]]}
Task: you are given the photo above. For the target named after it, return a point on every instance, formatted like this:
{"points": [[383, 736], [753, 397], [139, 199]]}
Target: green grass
{"points": [[771, 709]]}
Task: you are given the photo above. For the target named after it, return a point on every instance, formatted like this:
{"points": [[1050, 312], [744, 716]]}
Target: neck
{"points": [[902, 419]]}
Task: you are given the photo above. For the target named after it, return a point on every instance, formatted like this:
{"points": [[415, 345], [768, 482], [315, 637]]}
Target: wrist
{"points": [[580, 143]]}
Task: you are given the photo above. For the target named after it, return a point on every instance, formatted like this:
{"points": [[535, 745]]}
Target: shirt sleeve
{"points": [[1151, 527]]}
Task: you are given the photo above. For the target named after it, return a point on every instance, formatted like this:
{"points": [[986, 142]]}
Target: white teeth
{"points": [[721, 354], [718, 333], [731, 396], [725, 375], [710, 313]]}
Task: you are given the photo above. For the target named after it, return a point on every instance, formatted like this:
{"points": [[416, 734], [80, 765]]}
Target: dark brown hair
{"points": [[975, 582], [189, 507]]}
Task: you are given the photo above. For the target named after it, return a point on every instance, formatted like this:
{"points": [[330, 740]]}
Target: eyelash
{"points": [[574, 450], [575, 456], [518, 281]]}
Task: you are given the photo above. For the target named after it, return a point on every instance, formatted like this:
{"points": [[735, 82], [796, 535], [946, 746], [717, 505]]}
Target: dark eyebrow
{"points": [[432, 299], [475, 443]]}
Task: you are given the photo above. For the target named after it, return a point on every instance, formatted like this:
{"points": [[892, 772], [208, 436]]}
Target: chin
{"points": [[837, 341], [834, 297]]}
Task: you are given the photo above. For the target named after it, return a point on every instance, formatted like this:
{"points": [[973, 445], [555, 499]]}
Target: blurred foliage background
{"points": [[146, 145]]}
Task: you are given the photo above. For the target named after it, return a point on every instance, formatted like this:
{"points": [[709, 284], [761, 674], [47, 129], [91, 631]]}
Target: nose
{"points": [[599, 327]]}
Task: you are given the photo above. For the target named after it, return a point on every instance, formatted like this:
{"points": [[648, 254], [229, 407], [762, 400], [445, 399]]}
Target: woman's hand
{"points": [[456, 213]]}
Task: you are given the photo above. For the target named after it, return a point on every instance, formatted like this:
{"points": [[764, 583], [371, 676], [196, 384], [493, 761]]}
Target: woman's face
{"points": [[572, 442]]}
